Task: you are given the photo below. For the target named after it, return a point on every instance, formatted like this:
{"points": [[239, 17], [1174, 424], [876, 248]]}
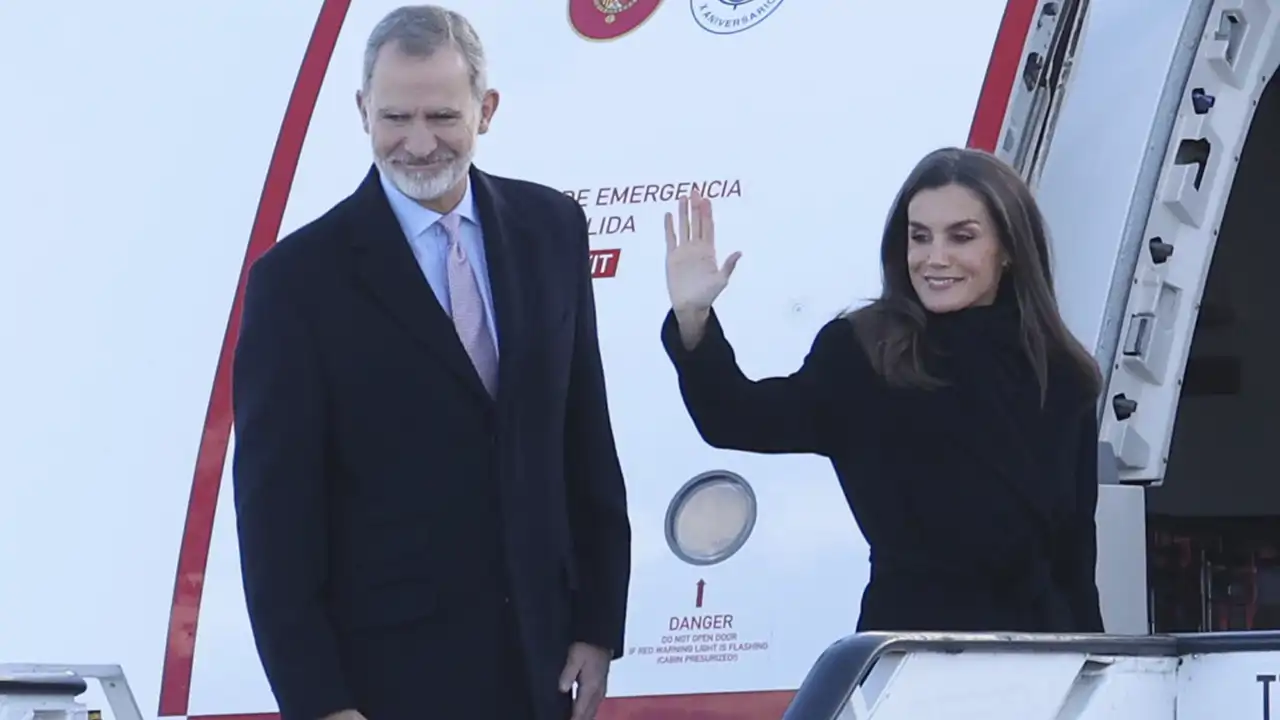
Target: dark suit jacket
{"points": [[402, 534]]}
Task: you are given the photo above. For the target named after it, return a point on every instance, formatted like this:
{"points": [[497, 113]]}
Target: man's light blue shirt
{"points": [[431, 246]]}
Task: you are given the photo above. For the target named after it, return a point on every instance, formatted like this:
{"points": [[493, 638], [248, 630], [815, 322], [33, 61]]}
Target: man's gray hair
{"points": [[421, 30]]}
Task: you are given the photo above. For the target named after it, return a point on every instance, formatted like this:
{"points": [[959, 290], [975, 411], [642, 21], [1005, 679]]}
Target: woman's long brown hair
{"points": [[890, 328]]}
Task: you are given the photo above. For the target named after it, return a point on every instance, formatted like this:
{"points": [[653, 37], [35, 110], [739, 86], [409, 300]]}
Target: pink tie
{"points": [[468, 308]]}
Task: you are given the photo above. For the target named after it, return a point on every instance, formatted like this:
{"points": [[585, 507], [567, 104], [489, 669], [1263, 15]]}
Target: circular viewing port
{"points": [[710, 518]]}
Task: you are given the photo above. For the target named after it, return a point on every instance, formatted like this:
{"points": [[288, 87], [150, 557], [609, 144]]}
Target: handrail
{"points": [[69, 685], [844, 665]]}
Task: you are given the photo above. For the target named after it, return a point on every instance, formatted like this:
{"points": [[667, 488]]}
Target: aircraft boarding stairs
{"points": [[893, 676], [51, 692], [928, 676]]}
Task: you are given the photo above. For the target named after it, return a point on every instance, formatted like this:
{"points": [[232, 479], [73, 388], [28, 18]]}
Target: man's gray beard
{"points": [[423, 187]]}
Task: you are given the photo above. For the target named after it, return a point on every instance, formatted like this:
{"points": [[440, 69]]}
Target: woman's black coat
{"points": [[977, 502]]}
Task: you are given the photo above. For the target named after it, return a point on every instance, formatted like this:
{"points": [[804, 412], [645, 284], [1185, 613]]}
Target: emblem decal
{"points": [[727, 17], [609, 19]]}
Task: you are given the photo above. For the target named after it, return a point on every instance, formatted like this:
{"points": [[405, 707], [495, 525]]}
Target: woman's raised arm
{"points": [[793, 414]]}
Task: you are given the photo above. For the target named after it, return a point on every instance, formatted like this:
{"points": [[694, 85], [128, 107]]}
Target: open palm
{"points": [[694, 278]]}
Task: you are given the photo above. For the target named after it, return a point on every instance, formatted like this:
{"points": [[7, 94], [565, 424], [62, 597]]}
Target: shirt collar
{"points": [[415, 219]]}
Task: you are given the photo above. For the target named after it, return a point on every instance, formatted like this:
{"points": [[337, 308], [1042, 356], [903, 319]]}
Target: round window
{"points": [[710, 518]]}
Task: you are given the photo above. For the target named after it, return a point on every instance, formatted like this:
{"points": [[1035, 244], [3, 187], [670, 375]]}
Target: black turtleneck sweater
{"points": [[977, 501]]}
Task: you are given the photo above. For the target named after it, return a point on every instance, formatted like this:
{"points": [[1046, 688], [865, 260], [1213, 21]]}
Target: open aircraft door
{"points": [[1135, 184], [1128, 120]]}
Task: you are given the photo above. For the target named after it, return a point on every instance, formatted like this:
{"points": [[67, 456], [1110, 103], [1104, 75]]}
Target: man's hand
{"points": [[345, 715], [589, 666]]}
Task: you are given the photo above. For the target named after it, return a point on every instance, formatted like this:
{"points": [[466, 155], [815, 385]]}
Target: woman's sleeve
{"points": [[1080, 560], [792, 414]]}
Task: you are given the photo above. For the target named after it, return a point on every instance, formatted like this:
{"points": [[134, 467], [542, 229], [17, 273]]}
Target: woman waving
{"points": [[957, 409]]}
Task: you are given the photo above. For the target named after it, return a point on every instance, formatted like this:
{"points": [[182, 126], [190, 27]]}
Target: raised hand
{"points": [[694, 279]]}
